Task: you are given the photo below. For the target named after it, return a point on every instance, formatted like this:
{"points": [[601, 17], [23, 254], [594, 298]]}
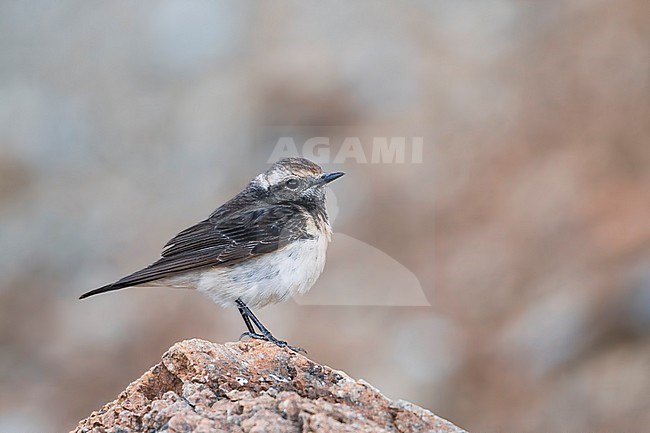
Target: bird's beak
{"points": [[330, 177]]}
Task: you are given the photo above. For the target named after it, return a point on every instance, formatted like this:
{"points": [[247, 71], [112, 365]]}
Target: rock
{"points": [[253, 386]]}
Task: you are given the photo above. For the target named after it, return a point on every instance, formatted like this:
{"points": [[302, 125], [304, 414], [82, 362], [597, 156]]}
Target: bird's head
{"points": [[294, 180]]}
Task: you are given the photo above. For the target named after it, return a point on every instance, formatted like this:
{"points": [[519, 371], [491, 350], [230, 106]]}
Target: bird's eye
{"points": [[292, 183]]}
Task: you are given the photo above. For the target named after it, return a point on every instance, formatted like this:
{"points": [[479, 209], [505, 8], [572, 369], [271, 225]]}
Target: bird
{"points": [[263, 246]]}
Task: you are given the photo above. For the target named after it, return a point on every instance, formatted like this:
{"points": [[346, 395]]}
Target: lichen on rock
{"points": [[253, 387]]}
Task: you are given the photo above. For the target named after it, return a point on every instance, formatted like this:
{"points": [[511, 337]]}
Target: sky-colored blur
{"points": [[526, 226]]}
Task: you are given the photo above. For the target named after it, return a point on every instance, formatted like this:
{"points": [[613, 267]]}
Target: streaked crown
{"points": [[288, 168]]}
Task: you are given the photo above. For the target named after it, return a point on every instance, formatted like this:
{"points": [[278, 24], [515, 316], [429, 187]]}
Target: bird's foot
{"points": [[272, 339], [253, 335]]}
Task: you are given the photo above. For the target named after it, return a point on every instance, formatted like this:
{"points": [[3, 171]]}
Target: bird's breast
{"points": [[269, 278]]}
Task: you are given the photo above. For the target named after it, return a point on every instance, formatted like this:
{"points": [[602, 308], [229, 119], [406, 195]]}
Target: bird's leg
{"points": [[249, 325], [264, 334]]}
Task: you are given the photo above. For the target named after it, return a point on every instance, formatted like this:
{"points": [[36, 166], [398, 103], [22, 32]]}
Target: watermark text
{"points": [[376, 150]]}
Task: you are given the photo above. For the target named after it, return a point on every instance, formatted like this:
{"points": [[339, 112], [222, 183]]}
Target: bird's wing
{"points": [[224, 241]]}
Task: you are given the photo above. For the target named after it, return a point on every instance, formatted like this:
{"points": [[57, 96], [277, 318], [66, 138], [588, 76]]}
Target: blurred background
{"points": [[526, 225]]}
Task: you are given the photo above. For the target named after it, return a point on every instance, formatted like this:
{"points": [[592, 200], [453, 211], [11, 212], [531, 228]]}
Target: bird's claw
{"points": [[273, 340], [297, 349], [253, 335], [281, 343]]}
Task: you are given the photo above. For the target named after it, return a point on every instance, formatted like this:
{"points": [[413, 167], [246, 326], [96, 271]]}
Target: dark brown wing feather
{"points": [[225, 241]]}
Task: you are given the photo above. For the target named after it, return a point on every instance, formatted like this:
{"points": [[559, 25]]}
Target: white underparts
{"points": [[262, 280]]}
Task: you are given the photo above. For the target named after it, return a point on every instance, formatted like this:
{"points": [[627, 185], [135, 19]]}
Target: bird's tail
{"points": [[158, 270], [104, 289]]}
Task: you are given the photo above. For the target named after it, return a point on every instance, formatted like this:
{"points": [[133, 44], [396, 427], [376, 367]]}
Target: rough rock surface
{"points": [[253, 386]]}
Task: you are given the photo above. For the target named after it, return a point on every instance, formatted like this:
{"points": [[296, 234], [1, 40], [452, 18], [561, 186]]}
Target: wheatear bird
{"points": [[263, 246]]}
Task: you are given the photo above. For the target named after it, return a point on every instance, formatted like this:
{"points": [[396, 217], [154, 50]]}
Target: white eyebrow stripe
{"points": [[275, 177], [261, 181]]}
